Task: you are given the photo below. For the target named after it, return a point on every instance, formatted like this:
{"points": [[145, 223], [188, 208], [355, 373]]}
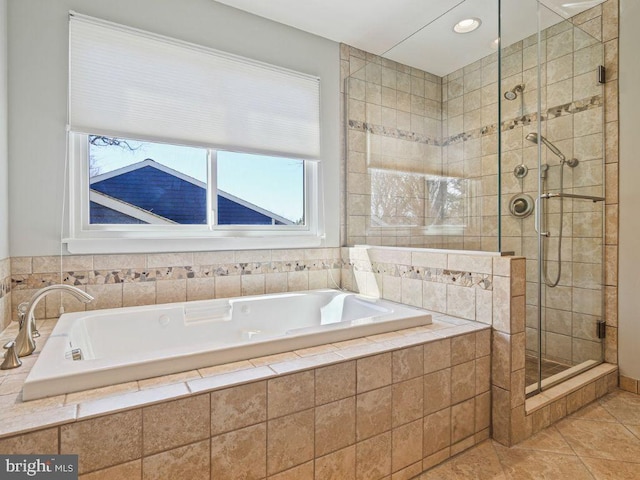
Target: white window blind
{"points": [[131, 83]]}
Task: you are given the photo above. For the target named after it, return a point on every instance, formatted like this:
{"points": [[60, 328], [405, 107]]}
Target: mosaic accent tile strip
{"points": [[551, 113], [104, 277], [437, 275], [392, 132]]}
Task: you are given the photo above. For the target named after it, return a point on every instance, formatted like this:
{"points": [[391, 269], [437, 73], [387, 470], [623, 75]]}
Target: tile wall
{"points": [[470, 148], [468, 284], [5, 293], [393, 133], [393, 140], [412, 137], [147, 279], [458, 284]]}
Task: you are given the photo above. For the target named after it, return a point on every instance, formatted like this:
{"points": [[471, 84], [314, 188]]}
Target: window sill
{"points": [[147, 245]]}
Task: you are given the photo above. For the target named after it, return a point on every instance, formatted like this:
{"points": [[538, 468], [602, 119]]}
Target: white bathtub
{"points": [[125, 344]]}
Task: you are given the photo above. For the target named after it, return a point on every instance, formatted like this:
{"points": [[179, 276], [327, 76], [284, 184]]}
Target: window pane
{"points": [[259, 190], [146, 183]]}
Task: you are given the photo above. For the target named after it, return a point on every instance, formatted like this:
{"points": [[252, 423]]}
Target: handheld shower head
{"points": [[533, 138], [513, 93]]}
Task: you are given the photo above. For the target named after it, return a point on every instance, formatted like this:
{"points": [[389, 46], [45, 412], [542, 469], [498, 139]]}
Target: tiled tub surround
{"points": [[134, 280], [470, 285], [485, 287], [134, 343], [395, 403]]}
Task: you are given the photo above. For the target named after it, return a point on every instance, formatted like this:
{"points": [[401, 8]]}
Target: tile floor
{"points": [[600, 441], [549, 368]]}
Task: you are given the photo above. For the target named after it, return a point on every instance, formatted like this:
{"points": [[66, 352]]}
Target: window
{"points": [[187, 147], [135, 182]]}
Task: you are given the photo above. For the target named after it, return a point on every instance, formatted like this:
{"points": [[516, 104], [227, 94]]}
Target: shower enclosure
{"points": [[563, 130], [492, 140]]}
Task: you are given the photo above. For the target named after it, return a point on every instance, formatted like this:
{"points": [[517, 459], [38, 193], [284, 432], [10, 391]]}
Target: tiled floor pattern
{"points": [[549, 369], [600, 441]]}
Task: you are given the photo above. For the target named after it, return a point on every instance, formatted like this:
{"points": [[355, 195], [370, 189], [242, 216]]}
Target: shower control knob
{"points": [[521, 205], [520, 171]]}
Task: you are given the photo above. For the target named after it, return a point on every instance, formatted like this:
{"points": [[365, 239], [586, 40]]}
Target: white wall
{"points": [[4, 162], [629, 278], [38, 32]]}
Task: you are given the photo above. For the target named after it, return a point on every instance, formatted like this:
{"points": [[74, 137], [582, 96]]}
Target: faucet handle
{"points": [[22, 311], [11, 359]]}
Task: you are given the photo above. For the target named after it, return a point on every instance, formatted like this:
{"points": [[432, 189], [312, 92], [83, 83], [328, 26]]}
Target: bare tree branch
{"points": [[102, 141]]}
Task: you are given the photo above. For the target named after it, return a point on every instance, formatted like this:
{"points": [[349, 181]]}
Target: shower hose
{"points": [[545, 274]]}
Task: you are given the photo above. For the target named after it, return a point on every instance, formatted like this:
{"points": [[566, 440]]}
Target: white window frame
{"points": [[84, 237]]}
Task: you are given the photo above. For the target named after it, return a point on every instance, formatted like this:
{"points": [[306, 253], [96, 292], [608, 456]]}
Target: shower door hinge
{"points": [[602, 77], [602, 328]]}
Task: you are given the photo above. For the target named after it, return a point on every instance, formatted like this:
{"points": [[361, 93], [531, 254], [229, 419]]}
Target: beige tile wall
{"points": [[409, 133], [392, 129], [629, 384], [455, 283], [482, 283], [394, 413], [5, 293], [470, 150], [393, 140], [146, 279]]}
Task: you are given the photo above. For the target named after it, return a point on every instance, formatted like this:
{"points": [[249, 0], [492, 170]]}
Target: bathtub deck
{"points": [[18, 417]]}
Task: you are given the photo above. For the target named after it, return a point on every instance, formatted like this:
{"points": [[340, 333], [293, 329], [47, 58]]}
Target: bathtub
{"points": [[105, 347]]}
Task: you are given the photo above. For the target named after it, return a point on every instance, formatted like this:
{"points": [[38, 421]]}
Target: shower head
{"points": [[513, 93], [533, 138]]}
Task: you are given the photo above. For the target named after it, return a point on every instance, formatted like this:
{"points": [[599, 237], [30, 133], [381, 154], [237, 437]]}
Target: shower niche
{"points": [[437, 129]]}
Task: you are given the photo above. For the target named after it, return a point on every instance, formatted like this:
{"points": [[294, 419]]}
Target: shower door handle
{"points": [[572, 195], [536, 225]]}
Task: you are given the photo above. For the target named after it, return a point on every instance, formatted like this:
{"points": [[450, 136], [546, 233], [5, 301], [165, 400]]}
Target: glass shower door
{"points": [[568, 137]]}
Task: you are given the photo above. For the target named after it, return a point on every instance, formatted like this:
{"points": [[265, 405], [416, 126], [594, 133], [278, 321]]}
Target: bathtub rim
{"points": [[42, 383]]}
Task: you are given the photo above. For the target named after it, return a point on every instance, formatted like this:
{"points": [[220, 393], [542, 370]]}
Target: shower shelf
{"points": [[572, 195]]}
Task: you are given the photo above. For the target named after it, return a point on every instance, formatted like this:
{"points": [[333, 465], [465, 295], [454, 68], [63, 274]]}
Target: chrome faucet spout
{"points": [[25, 345]]}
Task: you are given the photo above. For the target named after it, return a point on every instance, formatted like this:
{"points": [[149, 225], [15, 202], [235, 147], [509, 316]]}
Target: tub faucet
{"points": [[25, 345]]}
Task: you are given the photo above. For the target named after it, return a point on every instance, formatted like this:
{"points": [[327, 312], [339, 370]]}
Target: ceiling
{"points": [[418, 33]]}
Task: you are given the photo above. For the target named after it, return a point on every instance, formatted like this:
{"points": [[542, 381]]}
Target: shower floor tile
{"points": [[599, 441], [549, 369]]}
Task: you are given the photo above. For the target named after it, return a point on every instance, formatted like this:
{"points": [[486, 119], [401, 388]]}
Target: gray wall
{"points": [[629, 254], [38, 36], [4, 162]]}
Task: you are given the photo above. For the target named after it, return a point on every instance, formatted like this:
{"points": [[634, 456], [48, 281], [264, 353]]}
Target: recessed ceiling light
{"points": [[467, 25]]}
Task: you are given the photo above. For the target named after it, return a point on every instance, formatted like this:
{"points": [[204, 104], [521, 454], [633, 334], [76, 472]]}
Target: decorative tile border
{"points": [[147, 279], [438, 275], [106, 277], [551, 113], [392, 132]]}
